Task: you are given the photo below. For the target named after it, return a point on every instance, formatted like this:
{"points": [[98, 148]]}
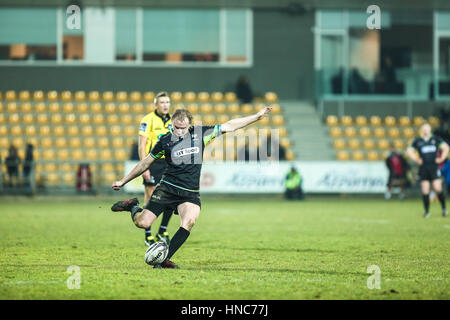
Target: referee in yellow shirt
{"points": [[152, 126]]}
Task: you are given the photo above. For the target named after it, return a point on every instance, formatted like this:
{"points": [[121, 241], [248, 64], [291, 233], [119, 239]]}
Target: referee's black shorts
{"points": [[429, 172], [156, 172], [167, 196]]}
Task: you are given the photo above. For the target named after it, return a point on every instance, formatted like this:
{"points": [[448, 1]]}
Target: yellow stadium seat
{"points": [[368, 144], [130, 131], [66, 96], [115, 130], [16, 130], [28, 118], [390, 121], [4, 130], [94, 96], [68, 178], [276, 109], [85, 118], [346, 121], [108, 96], [105, 154], [110, 107], [68, 107], [149, 96], [270, 97], [46, 142], [189, 96], [220, 108], [418, 121], [117, 142], [56, 118], [121, 96], [101, 131], [38, 95], [2, 118], [59, 130], [82, 107], [222, 118], [350, 132], [137, 108], [75, 142], [247, 108], [354, 144], [365, 132], [379, 132], [98, 119], [209, 120], [96, 107], [77, 154], [63, 154], [193, 108], [135, 96], [399, 144], [52, 95], [18, 142], [343, 155], [375, 121], [73, 130], [393, 133], [339, 144], [92, 154], [112, 119], [10, 95], [40, 107], [4, 143], [278, 120], [230, 97], [103, 142], [203, 96], [121, 154], [233, 108], [361, 121], [70, 119], [217, 97], [196, 119], [89, 142], [12, 107], [42, 118], [26, 107], [176, 96], [53, 107], [44, 130], [87, 130], [66, 167], [138, 118], [206, 108], [335, 132], [433, 121], [285, 142], [358, 156], [49, 154], [178, 106], [80, 96], [383, 144], [24, 95], [282, 131], [373, 156], [127, 119], [1, 107], [332, 120], [124, 107], [408, 133], [14, 118], [61, 142]]}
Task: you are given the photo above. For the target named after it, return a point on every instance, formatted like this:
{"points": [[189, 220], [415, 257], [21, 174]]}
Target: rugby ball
{"points": [[156, 253]]}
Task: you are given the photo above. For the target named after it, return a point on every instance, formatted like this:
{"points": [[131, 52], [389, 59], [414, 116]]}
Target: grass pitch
{"points": [[246, 248]]}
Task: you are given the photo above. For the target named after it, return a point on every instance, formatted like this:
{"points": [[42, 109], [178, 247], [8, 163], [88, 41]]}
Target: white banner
{"points": [[267, 177]]}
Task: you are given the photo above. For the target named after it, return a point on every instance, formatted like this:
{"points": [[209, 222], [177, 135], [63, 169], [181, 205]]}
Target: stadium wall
{"points": [[282, 62]]}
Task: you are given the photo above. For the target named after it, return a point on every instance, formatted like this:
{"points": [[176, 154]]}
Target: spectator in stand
{"points": [[12, 165], [28, 164], [398, 167], [243, 90]]}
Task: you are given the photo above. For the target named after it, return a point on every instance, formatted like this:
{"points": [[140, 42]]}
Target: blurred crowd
{"points": [[13, 165]]}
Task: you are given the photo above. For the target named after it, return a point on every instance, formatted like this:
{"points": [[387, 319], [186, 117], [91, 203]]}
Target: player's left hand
{"points": [[117, 185], [263, 112]]}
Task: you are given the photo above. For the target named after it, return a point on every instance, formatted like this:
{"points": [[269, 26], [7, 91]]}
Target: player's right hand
{"points": [[419, 161], [117, 185]]}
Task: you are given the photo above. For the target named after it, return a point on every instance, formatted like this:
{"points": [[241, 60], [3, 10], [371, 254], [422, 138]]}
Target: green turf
{"points": [[246, 248]]}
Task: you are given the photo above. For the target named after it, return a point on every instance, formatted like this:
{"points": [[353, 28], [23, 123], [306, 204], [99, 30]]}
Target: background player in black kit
{"points": [[180, 184], [427, 147]]}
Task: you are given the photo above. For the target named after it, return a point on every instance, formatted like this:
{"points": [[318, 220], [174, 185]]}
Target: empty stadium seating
{"points": [[70, 127], [369, 138]]}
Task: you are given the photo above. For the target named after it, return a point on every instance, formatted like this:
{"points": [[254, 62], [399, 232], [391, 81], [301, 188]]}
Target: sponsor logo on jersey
{"points": [[186, 151], [428, 149], [143, 127]]}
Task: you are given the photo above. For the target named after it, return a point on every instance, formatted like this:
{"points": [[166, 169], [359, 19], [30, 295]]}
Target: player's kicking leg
{"points": [[425, 186], [142, 218]]}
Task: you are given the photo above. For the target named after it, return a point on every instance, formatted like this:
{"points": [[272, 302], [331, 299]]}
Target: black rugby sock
{"points": [[441, 197], [426, 202], [165, 220], [177, 241]]}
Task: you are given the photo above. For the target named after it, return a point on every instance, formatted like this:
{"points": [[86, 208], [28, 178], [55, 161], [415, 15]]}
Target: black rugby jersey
{"points": [[427, 149], [184, 155]]}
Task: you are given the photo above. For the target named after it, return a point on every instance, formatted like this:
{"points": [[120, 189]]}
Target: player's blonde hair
{"points": [[159, 95], [182, 114]]}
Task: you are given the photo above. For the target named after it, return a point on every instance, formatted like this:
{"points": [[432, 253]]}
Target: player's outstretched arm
{"points": [[239, 123], [143, 165]]}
